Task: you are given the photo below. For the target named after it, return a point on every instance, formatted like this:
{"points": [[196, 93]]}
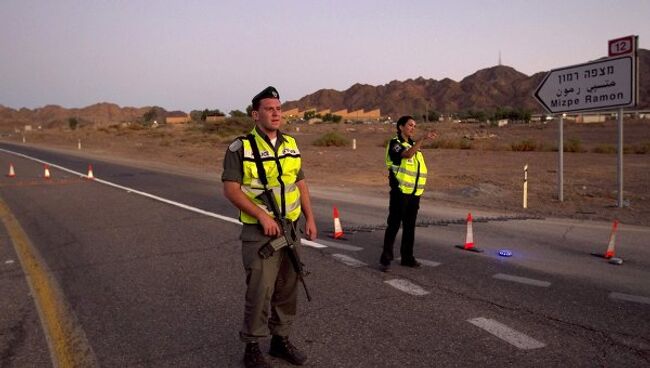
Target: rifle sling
{"points": [[258, 161]]}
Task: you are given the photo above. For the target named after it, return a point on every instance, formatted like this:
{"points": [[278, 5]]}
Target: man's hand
{"points": [[270, 226], [310, 230]]}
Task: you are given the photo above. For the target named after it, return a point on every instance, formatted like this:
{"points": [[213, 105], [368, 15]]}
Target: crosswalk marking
{"points": [[352, 262], [424, 262], [630, 297], [506, 333], [338, 245], [407, 287], [522, 280]]}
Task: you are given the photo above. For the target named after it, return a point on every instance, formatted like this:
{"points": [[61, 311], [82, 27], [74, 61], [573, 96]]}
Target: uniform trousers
{"points": [[402, 210], [271, 292]]}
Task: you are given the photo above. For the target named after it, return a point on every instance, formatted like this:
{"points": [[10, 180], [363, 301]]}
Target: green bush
{"points": [[443, 143], [605, 148], [574, 145], [526, 145], [642, 148], [73, 123], [229, 127], [331, 139]]}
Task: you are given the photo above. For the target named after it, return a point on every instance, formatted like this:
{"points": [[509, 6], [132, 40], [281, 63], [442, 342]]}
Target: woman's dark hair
{"points": [[402, 121]]}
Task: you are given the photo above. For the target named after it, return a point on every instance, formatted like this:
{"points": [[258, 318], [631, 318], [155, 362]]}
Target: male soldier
{"points": [[270, 281]]}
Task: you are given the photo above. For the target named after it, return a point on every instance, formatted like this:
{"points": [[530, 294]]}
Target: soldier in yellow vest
{"points": [[271, 282], [407, 175]]}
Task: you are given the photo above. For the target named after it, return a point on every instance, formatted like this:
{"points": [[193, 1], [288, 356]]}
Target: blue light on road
{"points": [[505, 253]]}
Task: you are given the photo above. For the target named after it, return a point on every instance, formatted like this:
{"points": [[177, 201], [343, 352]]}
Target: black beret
{"points": [[268, 92]]}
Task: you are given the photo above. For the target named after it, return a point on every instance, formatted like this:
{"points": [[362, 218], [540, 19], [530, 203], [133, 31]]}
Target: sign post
{"points": [[623, 46], [597, 85]]}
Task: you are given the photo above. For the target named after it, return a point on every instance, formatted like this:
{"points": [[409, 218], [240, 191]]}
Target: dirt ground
{"points": [[488, 176]]}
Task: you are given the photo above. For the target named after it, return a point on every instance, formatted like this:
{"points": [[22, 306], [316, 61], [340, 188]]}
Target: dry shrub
{"points": [[605, 148], [527, 145], [331, 139]]}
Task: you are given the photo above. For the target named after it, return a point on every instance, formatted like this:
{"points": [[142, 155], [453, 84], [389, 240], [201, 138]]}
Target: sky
{"points": [[192, 55]]}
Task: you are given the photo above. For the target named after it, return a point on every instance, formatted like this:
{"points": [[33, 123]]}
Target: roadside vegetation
{"points": [[330, 139]]}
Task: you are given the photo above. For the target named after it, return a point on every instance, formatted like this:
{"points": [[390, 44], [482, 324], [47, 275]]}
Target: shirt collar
{"points": [[263, 135], [401, 139]]}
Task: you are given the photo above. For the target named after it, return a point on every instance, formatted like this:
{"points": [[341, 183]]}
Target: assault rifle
{"points": [[286, 240]]}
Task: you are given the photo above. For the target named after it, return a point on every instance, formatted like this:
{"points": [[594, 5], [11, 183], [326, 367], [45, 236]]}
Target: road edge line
{"points": [[65, 338]]}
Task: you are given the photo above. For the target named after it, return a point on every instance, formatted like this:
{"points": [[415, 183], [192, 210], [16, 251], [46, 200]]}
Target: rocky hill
{"points": [[498, 86], [487, 89], [54, 115]]}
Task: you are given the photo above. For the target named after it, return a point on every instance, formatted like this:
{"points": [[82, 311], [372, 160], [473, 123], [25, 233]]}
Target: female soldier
{"points": [[407, 174]]}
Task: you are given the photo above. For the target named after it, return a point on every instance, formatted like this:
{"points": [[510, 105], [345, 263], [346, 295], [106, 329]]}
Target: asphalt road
{"points": [[147, 283]]}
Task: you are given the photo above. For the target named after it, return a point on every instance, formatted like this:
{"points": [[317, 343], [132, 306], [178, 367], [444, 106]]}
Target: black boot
{"points": [[282, 348], [253, 357]]}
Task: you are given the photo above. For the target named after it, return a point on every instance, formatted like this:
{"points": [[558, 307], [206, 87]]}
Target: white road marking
{"points": [[407, 287], [154, 197], [352, 262], [630, 297], [506, 333], [424, 262], [342, 246], [9, 261], [312, 243], [522, 280]]}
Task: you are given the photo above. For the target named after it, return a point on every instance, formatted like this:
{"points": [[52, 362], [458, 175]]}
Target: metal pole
{"points": [[560, 168], [620, 158]]}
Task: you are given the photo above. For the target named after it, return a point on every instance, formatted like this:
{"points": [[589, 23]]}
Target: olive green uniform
{"points": [[272, 283]]}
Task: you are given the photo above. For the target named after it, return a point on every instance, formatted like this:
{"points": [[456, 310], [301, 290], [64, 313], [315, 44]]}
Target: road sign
{"points": [[621, 46], [595, 85]]}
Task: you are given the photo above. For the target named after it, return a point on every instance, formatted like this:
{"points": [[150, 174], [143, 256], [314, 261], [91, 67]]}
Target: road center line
{"points": [[407, 287], [522, 280], [630, 297], [506, 333], [151, 196], [352, 262]]}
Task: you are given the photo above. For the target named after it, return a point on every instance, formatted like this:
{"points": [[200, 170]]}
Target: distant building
{"points": [[591, 118], [291, 114], [177, 118], [357, 115], [215, 118]]}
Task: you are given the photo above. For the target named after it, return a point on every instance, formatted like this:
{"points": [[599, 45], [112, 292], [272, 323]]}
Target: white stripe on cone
{"points": [[12, 173], [469, 238], [338, 230], [612, 241], [90, 172]]}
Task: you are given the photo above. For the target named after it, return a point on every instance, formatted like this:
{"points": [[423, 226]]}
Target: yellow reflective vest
{"points": [[411, 174], [281, 168]]}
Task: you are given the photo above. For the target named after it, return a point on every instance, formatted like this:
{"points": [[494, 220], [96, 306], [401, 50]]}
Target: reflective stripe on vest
{"points": [[411, 174], [281, 180]]}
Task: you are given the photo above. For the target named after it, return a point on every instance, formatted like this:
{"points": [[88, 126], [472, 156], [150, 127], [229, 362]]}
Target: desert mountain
{"points": [[487, 89], [54, 115]]}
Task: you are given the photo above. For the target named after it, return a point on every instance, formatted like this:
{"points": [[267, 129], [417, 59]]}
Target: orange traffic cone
{"points": [[11, 173], [469, 237], [90, 172], [46, 174], [609, 253], [338, 230]]}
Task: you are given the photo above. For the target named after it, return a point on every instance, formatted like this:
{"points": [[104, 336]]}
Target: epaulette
{"points": [[236, 144]]}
